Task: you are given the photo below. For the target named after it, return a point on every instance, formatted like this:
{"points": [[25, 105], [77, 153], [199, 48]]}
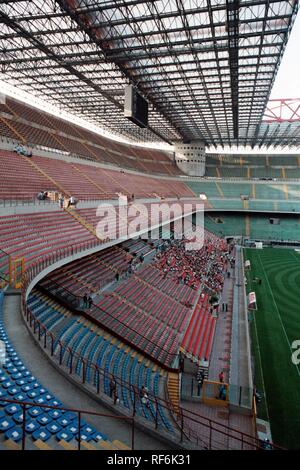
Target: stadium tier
{"points": [[238, 195], [82, 181], [76, 338], [129, 313], [36, 236], [149, 233], [254, 226], [151, 307], [31, 126], [253, 166], [132, 312], [54, 428]]}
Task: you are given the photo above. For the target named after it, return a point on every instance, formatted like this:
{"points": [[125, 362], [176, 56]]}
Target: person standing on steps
{"points": [[61, 201], [85, 300], [112, 387], [90, 301]]}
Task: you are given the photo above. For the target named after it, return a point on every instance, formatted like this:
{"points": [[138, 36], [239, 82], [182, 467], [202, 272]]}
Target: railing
{"points": [[99, 316], [188, 427], [238, 395], [26, 406], [25, 201], [34, 201], [4, 270]]}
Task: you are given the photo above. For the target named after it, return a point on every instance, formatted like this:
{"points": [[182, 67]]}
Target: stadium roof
{"points": [[205, 66]]}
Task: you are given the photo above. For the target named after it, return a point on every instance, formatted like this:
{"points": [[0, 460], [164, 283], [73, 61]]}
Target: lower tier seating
{"points": [[42, 424], [149, 306], [198, 339], [87, 346]]}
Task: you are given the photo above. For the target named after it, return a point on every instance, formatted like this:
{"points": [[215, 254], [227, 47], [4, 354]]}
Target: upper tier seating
{"points": [[39, 235], [19, 180], [267, 196], [22, 122]]}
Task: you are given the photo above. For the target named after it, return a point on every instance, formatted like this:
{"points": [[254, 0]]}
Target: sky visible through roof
{"points": [[286, 85]]}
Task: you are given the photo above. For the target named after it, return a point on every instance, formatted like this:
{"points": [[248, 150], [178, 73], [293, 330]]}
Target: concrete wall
{"points": [[190, 158]]}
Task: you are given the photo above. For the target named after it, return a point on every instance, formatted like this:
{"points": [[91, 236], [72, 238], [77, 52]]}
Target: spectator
{"points": [[19, 149], [41, 196], [266, 444], [90, 301], [222, 392], [142, 392], [145, 400], [221, 376], [85, 300], [72, 201], [61, 201], [200, 384], [181, 363], [116, 398], [112, 387]]}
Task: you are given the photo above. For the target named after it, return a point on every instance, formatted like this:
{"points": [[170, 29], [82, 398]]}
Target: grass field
{"points": [[274, 327]]}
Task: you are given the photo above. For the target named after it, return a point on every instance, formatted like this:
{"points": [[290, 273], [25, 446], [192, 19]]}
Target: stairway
{"points": [[55, 183], [9, 444], [82, 221], [173, 390], [8, 124]]}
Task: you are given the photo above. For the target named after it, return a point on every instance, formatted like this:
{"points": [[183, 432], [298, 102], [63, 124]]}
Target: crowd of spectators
{"points": [[195, 267]]}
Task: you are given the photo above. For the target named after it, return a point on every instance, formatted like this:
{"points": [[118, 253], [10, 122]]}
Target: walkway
{"points": [[220, 360], [64, 390]]}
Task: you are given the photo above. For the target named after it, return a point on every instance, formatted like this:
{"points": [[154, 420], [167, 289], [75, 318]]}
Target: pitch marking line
{"points": [[280, 319]]}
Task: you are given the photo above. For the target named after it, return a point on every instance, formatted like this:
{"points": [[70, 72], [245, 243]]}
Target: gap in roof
{"points": [[287, 82], [38, 103]]}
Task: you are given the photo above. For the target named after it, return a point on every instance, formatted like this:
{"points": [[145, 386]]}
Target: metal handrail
{"points": [[212, 425], [75, 301]]}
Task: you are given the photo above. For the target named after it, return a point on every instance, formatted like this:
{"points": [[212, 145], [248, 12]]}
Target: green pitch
{"points": [[274, 327]]}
